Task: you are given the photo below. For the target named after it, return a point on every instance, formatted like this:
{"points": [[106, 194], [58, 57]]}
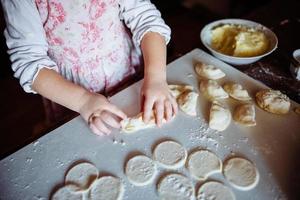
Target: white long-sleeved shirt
{"points": [[86, 41]]}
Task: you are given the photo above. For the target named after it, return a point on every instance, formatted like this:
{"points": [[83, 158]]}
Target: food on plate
{"points": [[219, 117], [208, 71], [236, 91], [214, 190], [106, 188], [239, 40], [273, 101], [212, 90], [245, 114]]}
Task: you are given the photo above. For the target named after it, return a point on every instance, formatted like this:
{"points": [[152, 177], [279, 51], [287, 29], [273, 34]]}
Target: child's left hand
{"points": [[155, 95]]}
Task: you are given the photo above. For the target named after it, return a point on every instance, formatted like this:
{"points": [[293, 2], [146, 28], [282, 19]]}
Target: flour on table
{"points": [[140, 170], [175, 187], [170, 154], [208, 71], [212, 90], [241, 173], [214, 190], [106, 188], [82, 175], [203, 163], [236, 91], [219, 117], [245, 114], [67, 192]]}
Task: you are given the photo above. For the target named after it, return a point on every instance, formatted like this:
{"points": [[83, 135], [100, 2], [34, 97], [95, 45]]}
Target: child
{"points": [[69, 51]]}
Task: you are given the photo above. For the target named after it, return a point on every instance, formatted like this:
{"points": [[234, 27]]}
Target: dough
{"points": [[209, 71], [203, 163], [177, 90], [187, 102], [106, 188], [273, 101], [236, 91], [241, 173], [170, 154], [175, 187], [212, 90], [219, 117], [82, 175], [140, 170], [67, 192], [245, 114], [214, 190]]}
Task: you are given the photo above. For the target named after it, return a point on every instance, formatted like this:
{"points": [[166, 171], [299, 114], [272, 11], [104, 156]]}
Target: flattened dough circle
{"points": [[214, 190], [106, 188], [67, 192]]}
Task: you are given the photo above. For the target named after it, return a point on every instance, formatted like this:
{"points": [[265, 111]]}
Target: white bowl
{"points": [[205, 36]]}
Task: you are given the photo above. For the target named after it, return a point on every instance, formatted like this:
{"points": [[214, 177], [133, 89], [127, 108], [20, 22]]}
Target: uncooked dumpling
{"points": [[106, 188], [82, 175], [67, 192], [212, 90], [177, 90], [140, 170], [245, 114], [237, 92], [170, 154], [219, 117], [203, 163], [273, 101], [208, 71], [187, 102], [175, 187], [241, 173], [214, 190]]}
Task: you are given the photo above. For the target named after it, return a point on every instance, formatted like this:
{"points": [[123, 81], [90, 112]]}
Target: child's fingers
{"points": [[101, 126], [116, 111], [110, 120], [147, 109], [159, 108], [168, 110]]}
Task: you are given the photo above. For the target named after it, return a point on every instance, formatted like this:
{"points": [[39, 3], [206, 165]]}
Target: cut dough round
{"points": [[214, 190], [273, 101], [170, 154], [175, 187], [241, 173], [209, 71], [140, 170], [187, 102], [82, 175], [245, 114], [177, 90], [219, 117], [106, 188], [212, 90], [67, 192], [203, 163], [236, 91]]}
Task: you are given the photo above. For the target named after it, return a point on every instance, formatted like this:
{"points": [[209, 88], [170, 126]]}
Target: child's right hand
{"points": [[99, 112]]}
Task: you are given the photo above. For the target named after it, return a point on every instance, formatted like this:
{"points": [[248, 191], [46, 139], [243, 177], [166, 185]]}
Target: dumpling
{"points": [[187, 102], [236, 91], [245, 114], [177, 90], [219, 117], [273, 101], [208, 71], [212, 90]]}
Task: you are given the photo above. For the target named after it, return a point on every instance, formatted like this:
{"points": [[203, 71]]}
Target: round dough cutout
{"points": [[106, 188], [214, 190], [67, 192]]}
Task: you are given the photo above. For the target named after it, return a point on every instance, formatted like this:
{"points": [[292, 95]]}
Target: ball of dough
{"points": [[208, 71], [273, 101], [214, 190], [245, 114], [106, 188], [219, 117], [175, 186], [236, 91], [170, 154], [241, 173], [140, 170], [203, 163], [212, 90], [187, 102]]}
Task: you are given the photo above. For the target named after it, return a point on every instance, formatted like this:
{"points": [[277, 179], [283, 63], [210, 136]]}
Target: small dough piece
{"points": [[170, 154], [177, 90], [67, 192], [236, 91], [212, 90], [175, 187], [273, 101], [219, 117], [106, 188], [82, 175], [241, 173], [203, 163], [187, 102], [140, 170], [209, 71], [214, 190], [245, 114]]}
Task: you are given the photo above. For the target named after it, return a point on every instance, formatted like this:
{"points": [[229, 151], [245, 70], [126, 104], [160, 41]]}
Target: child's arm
{"points": [[155, 92]]}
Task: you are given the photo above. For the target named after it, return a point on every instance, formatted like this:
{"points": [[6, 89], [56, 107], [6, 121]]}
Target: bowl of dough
{"points": [[238, 41]]}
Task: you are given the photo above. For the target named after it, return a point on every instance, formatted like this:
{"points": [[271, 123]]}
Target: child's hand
{"points": [[155, 96], [99, 113]]}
